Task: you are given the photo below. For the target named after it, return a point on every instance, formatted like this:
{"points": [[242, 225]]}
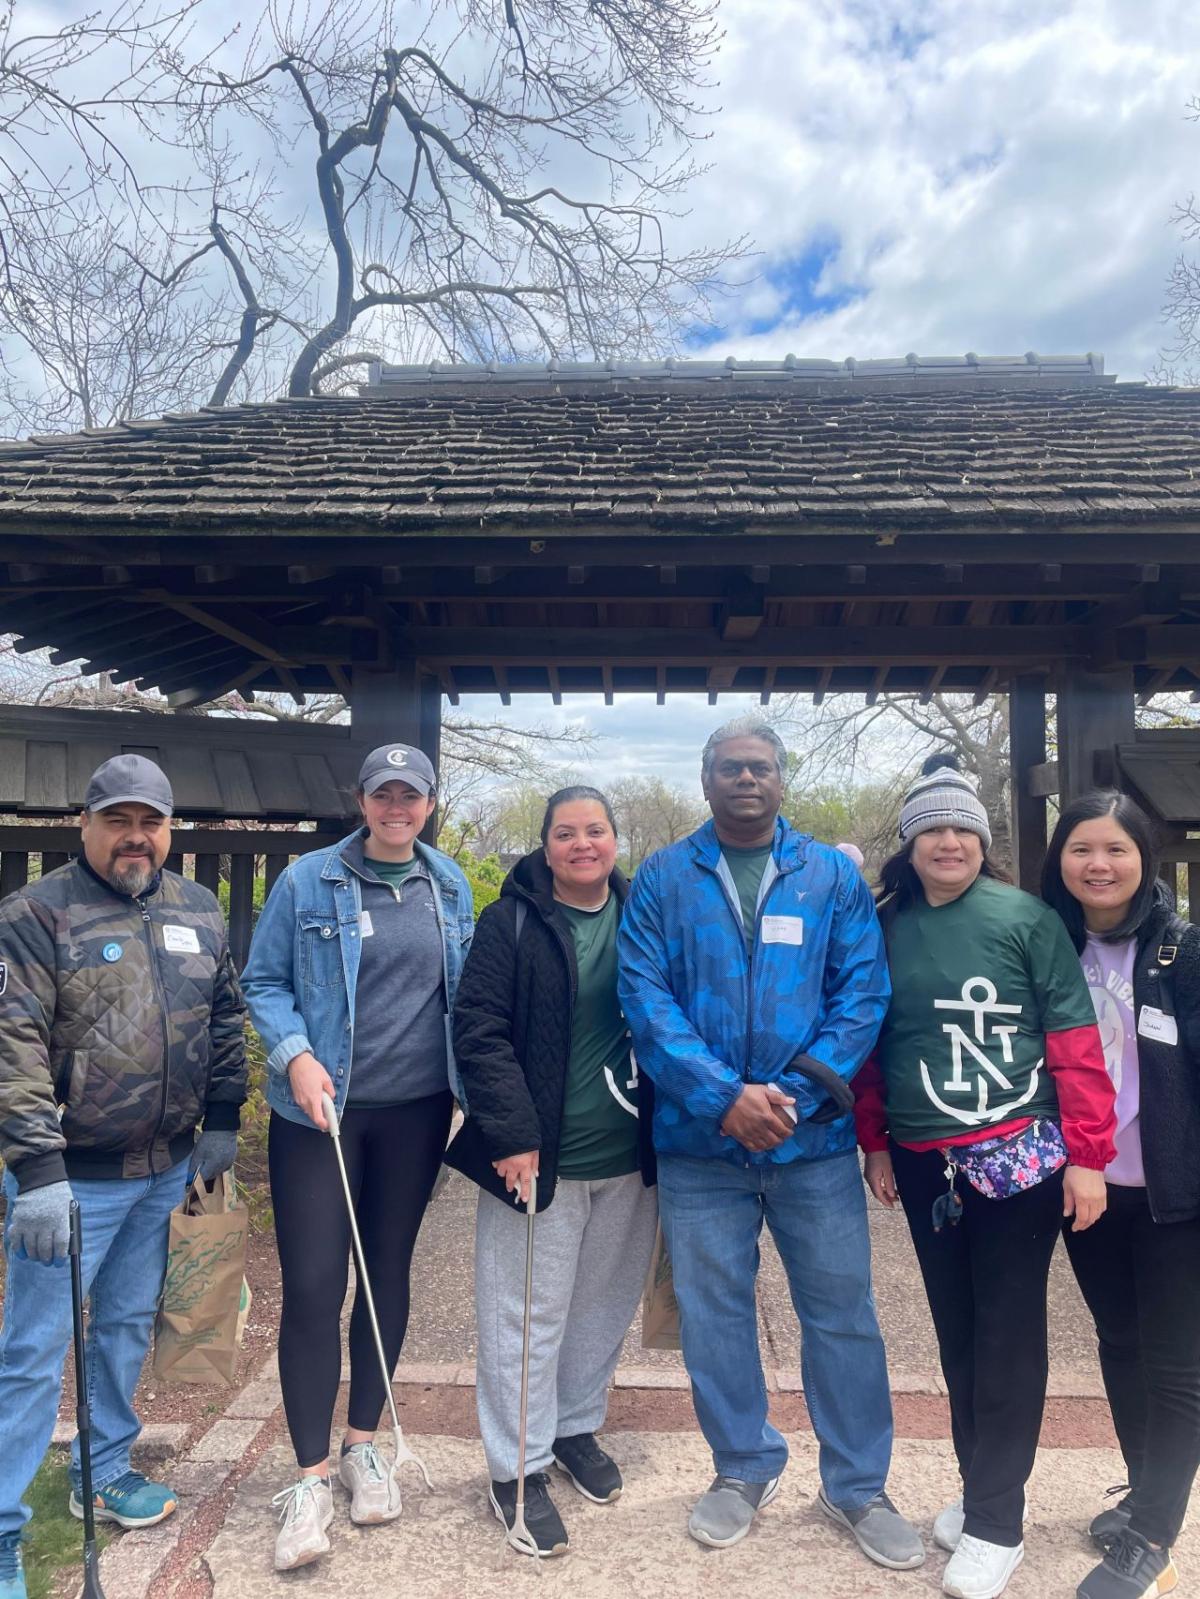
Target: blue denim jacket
{"points": [[300, 979]]}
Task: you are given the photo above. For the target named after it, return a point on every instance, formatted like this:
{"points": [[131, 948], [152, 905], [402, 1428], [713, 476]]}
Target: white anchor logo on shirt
{"points": [[979, 1001]]}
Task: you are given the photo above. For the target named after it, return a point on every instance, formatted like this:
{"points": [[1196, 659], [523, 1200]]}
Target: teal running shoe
{"points": [[130, 1501], [12, 1573]]}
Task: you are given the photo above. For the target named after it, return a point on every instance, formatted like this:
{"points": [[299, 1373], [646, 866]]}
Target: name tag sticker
{"points": [[782, 930], [1155, 1024], [181, 940], [365, 925]]}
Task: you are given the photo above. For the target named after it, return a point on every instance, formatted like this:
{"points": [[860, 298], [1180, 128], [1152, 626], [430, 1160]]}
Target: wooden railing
{"points": [[242, 858], [1181, 871]]}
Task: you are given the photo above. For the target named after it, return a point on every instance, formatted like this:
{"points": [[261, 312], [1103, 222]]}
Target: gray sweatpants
{"points": [[591, 1251]]}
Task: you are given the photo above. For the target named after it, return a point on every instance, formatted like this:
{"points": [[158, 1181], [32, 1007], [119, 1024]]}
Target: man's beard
{"points": [[130, 874]]}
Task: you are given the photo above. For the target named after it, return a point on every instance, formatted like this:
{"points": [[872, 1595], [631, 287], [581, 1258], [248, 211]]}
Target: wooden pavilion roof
{"points": [[820, 527]]}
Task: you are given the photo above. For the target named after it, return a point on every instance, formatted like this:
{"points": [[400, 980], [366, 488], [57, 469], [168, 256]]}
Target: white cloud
{"points": [[997, 177]]}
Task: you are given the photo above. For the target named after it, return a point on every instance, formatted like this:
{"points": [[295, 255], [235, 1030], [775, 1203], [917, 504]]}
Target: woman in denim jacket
{"points": [[351, 980]]}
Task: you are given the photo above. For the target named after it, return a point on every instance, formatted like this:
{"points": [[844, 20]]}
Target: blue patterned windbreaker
{"points": [[705, 1019]]}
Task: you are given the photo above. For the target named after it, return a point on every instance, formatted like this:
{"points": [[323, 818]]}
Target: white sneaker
{"points": [[980, 1570], [948, 1526], [306, 1514], [374, 1492]]}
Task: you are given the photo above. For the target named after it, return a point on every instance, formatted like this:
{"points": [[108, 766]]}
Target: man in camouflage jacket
{"points": [[120, 1033]]}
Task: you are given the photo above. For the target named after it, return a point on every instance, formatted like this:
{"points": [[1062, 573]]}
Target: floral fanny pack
{"points": [[998, 1168]]}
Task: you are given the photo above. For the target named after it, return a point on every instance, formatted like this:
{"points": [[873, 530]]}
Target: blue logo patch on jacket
{"points": [[111, 953]]}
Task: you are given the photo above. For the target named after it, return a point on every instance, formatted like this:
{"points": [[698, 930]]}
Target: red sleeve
{"points": [[1085, 1095], [870, 1107]]}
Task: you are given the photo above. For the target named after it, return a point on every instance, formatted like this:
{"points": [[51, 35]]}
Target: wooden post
{"points": [[1095, 714], [1027, 748], [400, 705]]}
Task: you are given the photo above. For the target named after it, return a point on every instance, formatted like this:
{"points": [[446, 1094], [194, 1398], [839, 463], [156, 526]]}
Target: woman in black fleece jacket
{"points": [[1139, 1266], [551, 1088]]}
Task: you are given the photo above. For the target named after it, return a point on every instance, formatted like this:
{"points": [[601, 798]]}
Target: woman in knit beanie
{"points": [[988, 1112]]}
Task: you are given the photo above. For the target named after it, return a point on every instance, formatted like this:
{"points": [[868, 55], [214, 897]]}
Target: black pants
{"points": [[1141, 1281], [986, 1284], [392, 1158]]}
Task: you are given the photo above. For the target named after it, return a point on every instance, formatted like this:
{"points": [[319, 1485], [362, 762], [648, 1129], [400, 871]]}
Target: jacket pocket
{"points": [[320, 950]]}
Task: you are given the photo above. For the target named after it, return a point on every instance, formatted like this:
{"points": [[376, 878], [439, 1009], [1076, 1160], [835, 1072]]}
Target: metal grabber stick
{"points": [[402, 1454], [83, 1419], [519, 1535]]}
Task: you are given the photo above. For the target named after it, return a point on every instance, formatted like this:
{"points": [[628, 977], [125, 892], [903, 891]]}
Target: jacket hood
{"points": [[789, 848], [531, 879]]}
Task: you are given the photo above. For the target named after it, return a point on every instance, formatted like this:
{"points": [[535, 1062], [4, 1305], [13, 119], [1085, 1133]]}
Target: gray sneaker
{"points": [[880, 1531], [307, 1510], [367, 1478], [723, 1515]]}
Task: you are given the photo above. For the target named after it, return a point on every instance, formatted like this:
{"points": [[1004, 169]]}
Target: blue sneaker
{"points": [[130, 1501], [12, 1574]]}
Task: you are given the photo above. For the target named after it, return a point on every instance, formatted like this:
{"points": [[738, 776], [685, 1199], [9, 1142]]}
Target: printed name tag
{"points": [[1154, 1024], [782, 930], [181, 940], [365, 925]]}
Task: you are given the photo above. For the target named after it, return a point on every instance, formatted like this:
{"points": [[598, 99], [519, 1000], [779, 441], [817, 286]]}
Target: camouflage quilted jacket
{"points": [[120, 1026]]}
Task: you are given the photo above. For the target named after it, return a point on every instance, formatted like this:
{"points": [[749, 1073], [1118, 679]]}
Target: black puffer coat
{"points": [[512, 1034]]}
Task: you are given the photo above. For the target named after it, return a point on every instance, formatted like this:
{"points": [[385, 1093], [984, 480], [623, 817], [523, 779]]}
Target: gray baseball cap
{"points": [[397, 763], [129, 780]]}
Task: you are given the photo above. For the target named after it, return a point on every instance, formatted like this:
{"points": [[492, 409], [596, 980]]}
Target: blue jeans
{"points": [[712, 1215], [125, 1230]]}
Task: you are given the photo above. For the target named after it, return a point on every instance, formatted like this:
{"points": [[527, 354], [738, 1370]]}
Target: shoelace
{"points": [[590, 1453], [370, 1460], [1124, 1554], [972, 1548], [129, 1482], [1117, 1488], [292, 1499], [10, 1558]]}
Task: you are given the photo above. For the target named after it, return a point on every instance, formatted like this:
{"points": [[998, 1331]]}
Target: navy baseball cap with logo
{"points": [[397, 763], [129, 780]]}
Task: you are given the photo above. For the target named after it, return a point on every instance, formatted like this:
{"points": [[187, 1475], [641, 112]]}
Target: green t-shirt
{"points": [[599, 1125], [391, 872], [976, 986], [746, 867]]}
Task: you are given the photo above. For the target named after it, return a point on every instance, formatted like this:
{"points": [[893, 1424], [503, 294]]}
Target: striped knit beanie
{"points": [[943, 797]]}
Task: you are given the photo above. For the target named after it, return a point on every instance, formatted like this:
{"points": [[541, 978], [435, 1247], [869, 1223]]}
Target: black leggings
{"points": [[1141, 1280], [986, 1284], [392, 1157]]}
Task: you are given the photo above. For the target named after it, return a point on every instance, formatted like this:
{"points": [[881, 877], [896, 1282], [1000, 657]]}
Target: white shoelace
{"points": [[292, 1499], [369, 1460]]}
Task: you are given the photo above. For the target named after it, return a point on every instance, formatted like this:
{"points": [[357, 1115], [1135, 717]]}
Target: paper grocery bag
{"points": [[660, 1309], [205, 1298]]}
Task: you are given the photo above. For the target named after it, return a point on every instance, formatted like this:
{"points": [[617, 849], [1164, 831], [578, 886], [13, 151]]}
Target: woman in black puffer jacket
{"points": [[552, 1090], [1139, 1266]]}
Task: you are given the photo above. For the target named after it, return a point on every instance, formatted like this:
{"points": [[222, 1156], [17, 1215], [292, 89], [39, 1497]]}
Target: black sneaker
{"points": [[1105, 1527], [1131, 1569], [594, 1473], [542, 1519]]}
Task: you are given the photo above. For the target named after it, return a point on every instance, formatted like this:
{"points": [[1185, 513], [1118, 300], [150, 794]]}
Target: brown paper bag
{"points": [[660, 1310], [205, 1298]]}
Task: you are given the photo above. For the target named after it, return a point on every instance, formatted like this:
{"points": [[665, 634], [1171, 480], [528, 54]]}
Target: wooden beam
{"points": [[1156, 684], [1027, 746], [934, 683], [502, 684], [660, 683], [1146, 602], [1041, 779], [202, 693], [552, 673], [1014, 645], [877, 682], [1095, 714], [990, 678], [822, 685], [768, 687]]}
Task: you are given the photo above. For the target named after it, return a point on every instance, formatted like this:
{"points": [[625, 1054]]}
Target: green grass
{"points": [[54, 1539]]}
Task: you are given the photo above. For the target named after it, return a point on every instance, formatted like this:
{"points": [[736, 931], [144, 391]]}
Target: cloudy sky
{"points": [[953, 175]]}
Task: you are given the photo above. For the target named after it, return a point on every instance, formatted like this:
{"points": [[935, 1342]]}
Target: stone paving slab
{"points": [[158, 1440], [441, 1328], [132, 1561], [448, 1544]]}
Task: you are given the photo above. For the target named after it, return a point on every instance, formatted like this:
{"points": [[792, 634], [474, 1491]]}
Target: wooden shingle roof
{"points": [[924, 452]]}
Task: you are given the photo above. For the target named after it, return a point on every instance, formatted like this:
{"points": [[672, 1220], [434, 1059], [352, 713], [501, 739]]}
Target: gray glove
{"points": [[39, 1223], [213, 1153]]}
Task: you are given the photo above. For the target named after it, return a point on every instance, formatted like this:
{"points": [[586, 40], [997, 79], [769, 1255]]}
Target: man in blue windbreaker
{"points": [[753, 979]]}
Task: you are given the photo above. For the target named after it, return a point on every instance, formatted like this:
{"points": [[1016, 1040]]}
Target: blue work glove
{"points": [[39, 1225], [213, 1153]]}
